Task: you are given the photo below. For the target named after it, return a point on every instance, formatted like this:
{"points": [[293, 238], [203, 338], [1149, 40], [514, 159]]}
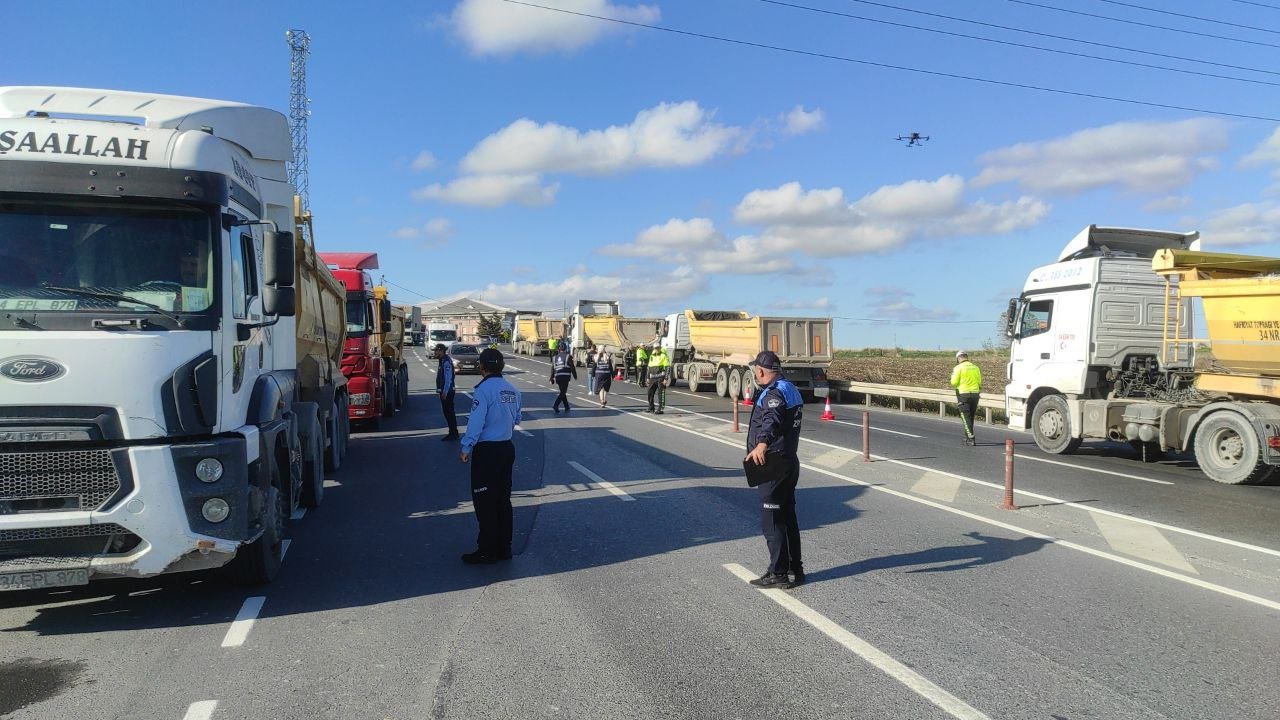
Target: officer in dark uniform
{"points": [[488, 447], [775, 431], [562, 371], [445, 388]]}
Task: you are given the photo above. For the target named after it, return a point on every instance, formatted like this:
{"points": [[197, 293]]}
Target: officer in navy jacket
{"points": [[487, 446], [446, 389], [774, 435]]}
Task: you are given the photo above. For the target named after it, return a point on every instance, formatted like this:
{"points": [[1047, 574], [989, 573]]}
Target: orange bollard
{"points": [[1008, 476], [866, 436]]}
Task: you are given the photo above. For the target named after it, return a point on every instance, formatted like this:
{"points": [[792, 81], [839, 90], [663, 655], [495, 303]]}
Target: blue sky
{"points": [[531, 158]]}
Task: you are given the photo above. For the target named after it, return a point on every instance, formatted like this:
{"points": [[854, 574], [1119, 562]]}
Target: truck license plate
{"points": [[43, 579]]}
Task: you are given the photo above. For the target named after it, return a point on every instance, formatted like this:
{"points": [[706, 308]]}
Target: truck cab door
{"points": [[247, 352], [1033, 344]]}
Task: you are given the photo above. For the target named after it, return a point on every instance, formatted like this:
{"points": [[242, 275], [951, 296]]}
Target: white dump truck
{"points": [[170, 387]]}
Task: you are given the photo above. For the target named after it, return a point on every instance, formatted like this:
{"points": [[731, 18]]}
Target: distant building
{"points": [[466, 312]]}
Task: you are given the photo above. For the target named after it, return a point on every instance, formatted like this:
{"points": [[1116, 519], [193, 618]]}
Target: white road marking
{"points": [[524, 432], [937, 486], [1141, 541], [298, 514], [601, 482], [834, 459], [243, 623], [202, 710], [284, 549], [1000, 486], [1094, 470], [882, 661]]}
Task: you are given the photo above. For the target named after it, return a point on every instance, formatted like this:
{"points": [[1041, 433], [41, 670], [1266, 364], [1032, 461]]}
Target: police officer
{"points": [[660, 364], [603, 370], [562, 371], [966, 378], [642, 366], [445, 388], [775, 431], [590, 366], [488, 447]]}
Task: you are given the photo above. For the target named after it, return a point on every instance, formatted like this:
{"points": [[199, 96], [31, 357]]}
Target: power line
{"points": [[1142, 24], [414, 292], [1190, 17], [890, 66], [1258, 4], [1067, 38], [1027, 46]]}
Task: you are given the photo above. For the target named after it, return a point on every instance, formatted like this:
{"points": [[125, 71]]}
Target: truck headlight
{"points": [[361, 398], [209, 470], [215, 510]]}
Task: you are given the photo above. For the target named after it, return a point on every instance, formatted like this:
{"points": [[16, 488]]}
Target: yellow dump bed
{"points": [[321, 318], [615, 332], [535, 329], [1241, 299], [736, 337]]}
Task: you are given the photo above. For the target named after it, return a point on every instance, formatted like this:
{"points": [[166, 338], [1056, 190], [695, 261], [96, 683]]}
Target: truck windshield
{"points": [[64, 256], [357, 317], [444, 335]]}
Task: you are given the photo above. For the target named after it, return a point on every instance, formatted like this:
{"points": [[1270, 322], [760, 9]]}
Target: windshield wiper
{"points": [[23, 323], [116, 296]]}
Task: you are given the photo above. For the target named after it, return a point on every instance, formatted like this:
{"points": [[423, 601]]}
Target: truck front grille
{"points": [[56, 481], [52, 547]]}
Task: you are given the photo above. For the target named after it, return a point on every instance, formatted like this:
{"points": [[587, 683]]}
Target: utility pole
{"points": [[299, 112]]}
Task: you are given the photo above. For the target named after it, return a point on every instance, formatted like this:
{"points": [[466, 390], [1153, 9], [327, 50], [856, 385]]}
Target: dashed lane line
{"points": [[602, 482], [201, 710], [240, 627], [882, 661], [1094, 470]]}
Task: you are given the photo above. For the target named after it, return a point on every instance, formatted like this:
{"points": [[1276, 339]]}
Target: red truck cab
{"points": [[361, 356]]}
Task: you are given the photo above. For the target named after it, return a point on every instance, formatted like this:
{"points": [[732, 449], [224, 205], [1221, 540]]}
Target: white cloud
{"points": [[1246, 224], [675, 236], [407, 233], [1167, 204], [894, 303], [800, 121], [435, 232], [424, 161], [493, 27], [491, 191], [632, 288], [1266, 153], [1145, 157], [822, 303], [668, 135], [824, 223], [439, 228], [697, 243]]}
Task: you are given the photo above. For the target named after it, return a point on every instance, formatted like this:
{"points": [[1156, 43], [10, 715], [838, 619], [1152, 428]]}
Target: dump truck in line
{"points": [[170, 387], [532, 333], [600, 323], [711, 349], [1104, 348]]}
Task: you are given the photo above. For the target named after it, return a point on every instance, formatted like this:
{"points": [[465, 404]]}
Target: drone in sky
{"points": [[914, 139]]}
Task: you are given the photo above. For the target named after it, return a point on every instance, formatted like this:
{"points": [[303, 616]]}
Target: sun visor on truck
{"points": [[1094, 240]]}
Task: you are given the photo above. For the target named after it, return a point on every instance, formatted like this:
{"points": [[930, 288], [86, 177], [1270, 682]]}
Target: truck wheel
{"points": [[313, 469], [722, 382], [388, 396], [337, 423], [1147, 451], [692, 378], [1051, 425], [258, 562], [1228, 450], [404, 386], [735, 383]]}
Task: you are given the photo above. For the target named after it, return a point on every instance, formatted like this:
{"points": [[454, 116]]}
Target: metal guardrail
{"points": [[987, 401]]}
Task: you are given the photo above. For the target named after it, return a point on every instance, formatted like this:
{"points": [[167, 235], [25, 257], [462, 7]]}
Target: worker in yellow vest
{"points": [[642, 365], [966, 378], [659, 378]]}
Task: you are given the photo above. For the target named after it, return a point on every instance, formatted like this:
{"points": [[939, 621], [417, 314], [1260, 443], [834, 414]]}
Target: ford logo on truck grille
{"points": [[31, 369]]}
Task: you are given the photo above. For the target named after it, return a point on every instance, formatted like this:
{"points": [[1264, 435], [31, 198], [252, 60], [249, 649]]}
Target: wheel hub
{"points": [[1051, 424]]}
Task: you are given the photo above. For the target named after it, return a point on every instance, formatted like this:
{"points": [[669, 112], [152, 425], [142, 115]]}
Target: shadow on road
{"points": [[987, 550]]}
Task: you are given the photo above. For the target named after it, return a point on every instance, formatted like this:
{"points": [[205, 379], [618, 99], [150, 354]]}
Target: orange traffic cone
{"points": [[619, 374], [746, 399], [827, 414]]}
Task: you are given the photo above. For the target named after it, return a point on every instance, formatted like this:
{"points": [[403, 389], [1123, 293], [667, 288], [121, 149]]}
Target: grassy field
{"points": [[920, 368]]}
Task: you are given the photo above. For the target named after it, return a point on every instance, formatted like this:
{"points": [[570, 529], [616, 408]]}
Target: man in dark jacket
{"points": [[774, 433], [445, 388], [562, 371]]}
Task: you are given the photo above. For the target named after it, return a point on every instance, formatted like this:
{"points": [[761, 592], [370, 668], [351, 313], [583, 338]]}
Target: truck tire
{"points": [[336, 435], [1051, 425], [389, 395], [735, 383], [1228, 451], [692, 378], [258, 562], [722, 381], [404, 386], [313, 468]]}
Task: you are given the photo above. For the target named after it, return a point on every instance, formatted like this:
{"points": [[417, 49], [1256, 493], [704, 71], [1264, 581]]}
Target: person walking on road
{"points": [[488, 448], [642, 366], [603, 370], [562, 371], [966, 378], [659, 379], [773, 442], [445, 388], [590, 366], [553, 345]]}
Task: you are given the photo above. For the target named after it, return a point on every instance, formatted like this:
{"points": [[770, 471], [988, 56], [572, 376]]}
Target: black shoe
{"points": [[450, 437], [480, 557], [651, 410], [771, 580], [797, 579], [660, 412]]}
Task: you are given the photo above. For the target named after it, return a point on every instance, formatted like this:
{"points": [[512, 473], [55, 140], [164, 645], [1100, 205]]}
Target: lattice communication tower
{"points": [[299, 112]]}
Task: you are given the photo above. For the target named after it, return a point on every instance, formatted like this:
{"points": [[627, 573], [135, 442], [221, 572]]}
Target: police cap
{"points": [[491, 360], [768, 360]]}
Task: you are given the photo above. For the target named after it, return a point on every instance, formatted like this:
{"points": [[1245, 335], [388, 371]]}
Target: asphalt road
{"points": [[1108, 594]]}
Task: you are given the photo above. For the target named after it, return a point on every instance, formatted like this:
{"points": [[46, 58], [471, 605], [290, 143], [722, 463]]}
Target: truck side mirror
{"points": [[277, 258], [279, 301], [386, 326], [1011, 319], [386, 308]]}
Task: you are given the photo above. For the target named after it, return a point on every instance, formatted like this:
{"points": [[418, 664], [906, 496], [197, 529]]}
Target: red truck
{"points": [[373, 386]]}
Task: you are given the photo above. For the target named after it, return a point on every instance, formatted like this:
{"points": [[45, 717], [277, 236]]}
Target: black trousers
{"points": [[778, 521], [491, 464], [642, 374], [657, 389], [968, 410], [563, 382], [450, 416]]}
